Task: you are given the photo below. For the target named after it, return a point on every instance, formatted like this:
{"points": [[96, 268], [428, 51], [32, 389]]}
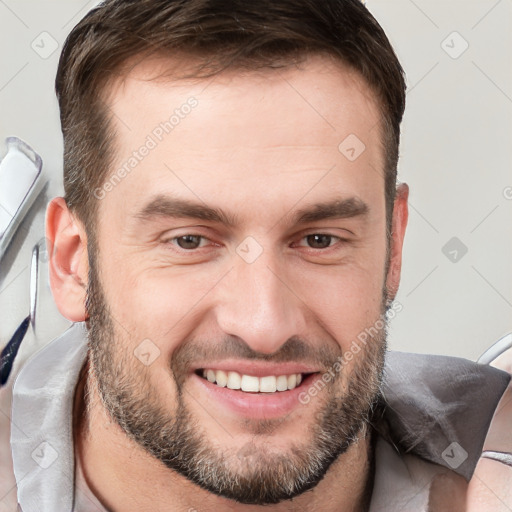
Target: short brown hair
{"points": [[219, 35]]}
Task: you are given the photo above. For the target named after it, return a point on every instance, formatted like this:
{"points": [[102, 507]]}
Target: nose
{"points": [[259, 305]]}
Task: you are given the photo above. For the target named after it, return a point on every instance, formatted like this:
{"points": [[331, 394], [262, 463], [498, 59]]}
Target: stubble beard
{"points": [[252, 473]]}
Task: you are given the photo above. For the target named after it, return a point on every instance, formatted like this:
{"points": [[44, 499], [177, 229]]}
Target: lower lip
{"points": [[255, 405]]}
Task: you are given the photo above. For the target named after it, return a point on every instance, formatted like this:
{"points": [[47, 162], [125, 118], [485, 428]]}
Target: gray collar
{"points": [[435, 407], [440, 408]]}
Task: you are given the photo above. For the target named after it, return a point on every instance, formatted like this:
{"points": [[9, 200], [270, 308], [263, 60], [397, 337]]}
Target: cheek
{"points": [[346, 300], [158, 301]]}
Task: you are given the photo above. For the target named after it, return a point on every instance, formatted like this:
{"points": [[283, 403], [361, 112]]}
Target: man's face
{"points": [[243, 243]]}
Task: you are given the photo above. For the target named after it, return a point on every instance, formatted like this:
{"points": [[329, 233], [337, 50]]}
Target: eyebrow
{"points": [[164, 206], [337, 209]]}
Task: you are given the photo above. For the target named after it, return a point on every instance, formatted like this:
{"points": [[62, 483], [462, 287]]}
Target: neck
{"points": [[124, 477]]}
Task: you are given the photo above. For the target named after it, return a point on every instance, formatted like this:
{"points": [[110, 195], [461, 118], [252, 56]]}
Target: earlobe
{"points": [[399, 224], [68, 260]]}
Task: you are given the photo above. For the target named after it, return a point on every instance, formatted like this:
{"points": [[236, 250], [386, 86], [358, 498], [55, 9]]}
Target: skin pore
{"points": [[206, 257]]}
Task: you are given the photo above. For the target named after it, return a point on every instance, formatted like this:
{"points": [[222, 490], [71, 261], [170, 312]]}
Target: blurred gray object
{"points": [[24, 279], [20, 184], [8, 354], [501, 346]]}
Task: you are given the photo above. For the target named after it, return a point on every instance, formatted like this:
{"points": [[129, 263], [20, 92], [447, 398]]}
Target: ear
{"points": [[399, 223], [68, 260]]}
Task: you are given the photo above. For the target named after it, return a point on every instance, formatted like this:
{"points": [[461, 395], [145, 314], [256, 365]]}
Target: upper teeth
{"points": [[268, 384]]}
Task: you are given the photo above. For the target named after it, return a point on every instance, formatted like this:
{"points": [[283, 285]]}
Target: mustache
{"points": [[295, 349]]}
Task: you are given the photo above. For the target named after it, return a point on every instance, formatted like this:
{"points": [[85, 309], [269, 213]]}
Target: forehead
{"points": [[272, 132]]}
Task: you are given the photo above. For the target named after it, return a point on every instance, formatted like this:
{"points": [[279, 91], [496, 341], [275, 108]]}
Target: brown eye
{"points": [[189, 241], [319, 241]]}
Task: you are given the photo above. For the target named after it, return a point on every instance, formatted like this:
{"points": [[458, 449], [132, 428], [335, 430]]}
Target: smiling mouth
{"points": [[250, 383]]}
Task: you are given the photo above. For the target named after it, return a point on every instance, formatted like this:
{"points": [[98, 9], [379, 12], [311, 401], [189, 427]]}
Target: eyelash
{"points": [[176, 238], [174, 241]]}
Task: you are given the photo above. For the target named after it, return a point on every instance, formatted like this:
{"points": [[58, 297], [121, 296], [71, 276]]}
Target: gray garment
{"points": [[436, 415]]}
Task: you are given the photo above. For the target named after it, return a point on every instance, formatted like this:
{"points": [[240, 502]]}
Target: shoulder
{"points": [[490, 489], [408, 482]]}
